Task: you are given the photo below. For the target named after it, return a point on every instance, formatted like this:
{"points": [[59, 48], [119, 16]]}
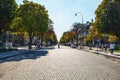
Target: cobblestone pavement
{"points": [[59, 64]]}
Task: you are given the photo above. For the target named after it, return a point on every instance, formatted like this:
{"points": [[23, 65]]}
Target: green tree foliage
{"points": [[112, 38], [72, 35], [68, 36], [7, 13], [16, 25], [64, 38], [31, 18], [90, 37], [55, 39], [50, 35], [108, 17]]}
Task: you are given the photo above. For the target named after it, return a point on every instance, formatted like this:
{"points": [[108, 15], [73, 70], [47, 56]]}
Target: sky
{"points": [[62, 12]]}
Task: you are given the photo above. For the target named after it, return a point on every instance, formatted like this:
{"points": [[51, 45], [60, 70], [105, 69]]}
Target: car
{"points": [[73, 46]]}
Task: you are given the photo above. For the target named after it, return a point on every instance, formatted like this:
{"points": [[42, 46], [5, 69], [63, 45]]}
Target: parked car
{"points": [[73, 46]]}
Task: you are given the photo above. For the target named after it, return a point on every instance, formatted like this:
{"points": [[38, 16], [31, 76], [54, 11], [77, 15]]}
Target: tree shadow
{"points": [[28, 55]]}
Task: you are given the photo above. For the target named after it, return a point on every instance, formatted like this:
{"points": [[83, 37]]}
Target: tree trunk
{"points": [[30, 41], [41, 40]]}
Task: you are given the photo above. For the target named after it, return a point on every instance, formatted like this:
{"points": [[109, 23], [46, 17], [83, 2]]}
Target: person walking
{"points": [[38, 43], [106, 46], [58, 45], [112, 45]]}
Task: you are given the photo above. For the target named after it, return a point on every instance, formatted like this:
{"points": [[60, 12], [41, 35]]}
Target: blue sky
{"points": [[62, 12]]}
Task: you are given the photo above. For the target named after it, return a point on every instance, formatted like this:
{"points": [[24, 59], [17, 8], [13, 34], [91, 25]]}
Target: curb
{"points": [[97, 52], [111, 56]]}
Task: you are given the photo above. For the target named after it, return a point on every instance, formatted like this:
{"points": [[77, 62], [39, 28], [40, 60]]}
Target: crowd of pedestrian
{"points": [[106, 46], [37, 44]]}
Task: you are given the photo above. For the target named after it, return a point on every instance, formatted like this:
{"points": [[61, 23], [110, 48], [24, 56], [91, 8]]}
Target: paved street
{"points": [[59, 64]]}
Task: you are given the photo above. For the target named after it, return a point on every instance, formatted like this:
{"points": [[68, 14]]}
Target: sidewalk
{"points": [[21, 50], [102, 52]]}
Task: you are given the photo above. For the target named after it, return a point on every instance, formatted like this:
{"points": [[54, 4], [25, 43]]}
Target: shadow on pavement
{"points": [[28, 55]]}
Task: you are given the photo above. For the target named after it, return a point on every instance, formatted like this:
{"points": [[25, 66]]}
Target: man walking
{"points": [[112, 45], [58, 45]]}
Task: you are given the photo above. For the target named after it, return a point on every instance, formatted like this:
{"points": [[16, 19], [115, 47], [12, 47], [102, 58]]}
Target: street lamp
{"points": [[80, 14], [82, 27]]}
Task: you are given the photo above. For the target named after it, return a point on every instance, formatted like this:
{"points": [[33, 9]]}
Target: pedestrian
{"points": [[58, 45], [106, 46], [38, 44], [102, 47], [112, 45], [35, 43]]}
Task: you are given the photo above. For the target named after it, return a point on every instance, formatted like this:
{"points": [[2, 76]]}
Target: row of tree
{"points": [[68, 36], [31, 18], [73, 34], [107, 22], [106, 26]]}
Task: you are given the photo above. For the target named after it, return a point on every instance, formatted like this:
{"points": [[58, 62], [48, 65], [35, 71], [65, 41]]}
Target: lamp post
{"points": [[76, 29], [81, 28]]}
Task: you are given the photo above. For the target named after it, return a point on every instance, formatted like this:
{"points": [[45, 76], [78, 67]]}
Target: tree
{"points": [[42, 20], [65, 37], [55, 39], [72, 35], [7, 13], [33, 19], [108, 17], [50, 36]]}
